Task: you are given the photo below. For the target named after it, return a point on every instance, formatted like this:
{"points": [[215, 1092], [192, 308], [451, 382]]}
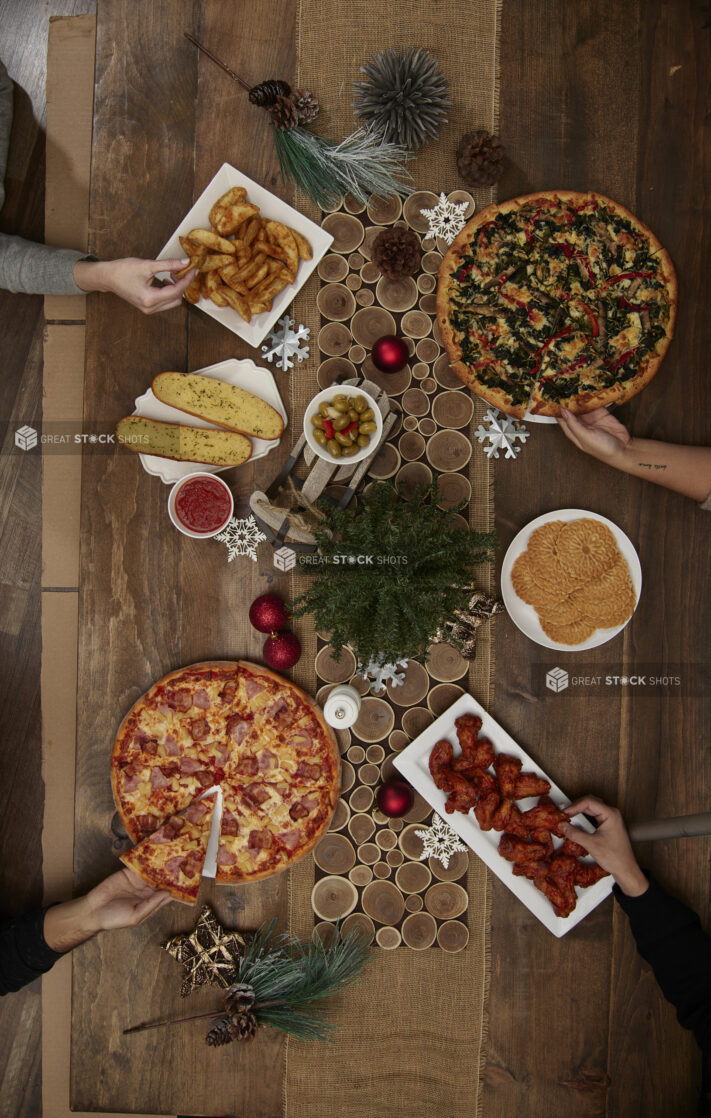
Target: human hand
{"points": [[123, 900], [596, 432], [609, 845], [132, 280]]}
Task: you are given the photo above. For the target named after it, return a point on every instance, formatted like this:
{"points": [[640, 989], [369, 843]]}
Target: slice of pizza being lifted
{"points": [[172, 858]]}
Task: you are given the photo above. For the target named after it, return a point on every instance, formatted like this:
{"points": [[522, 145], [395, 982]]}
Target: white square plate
{"points": [[271, 207], [525, 616], [245, 374], [413, 763]]}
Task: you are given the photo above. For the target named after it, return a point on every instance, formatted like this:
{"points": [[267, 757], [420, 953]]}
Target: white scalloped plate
{"points": [[243, 374]]}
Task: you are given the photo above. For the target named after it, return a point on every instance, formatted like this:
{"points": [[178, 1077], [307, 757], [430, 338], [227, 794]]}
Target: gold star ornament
{"points": [[209, 954]]}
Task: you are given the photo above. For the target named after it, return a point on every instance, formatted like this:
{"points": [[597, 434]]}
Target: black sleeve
{"points": [[24, 955], [670, 937]]}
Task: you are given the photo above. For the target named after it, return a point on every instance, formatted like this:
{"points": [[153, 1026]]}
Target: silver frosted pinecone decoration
{"points": [[404, 97]]}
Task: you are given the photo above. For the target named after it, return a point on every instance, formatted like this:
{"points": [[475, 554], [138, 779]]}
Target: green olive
{"points": [[360, 403], [317, 420], [350, 401], [341, 422], [353, 414], [344, 440], [334, 448], [366, 415], [339, 403], [320, 438], [323, 409], [349, 451], [367, 428], [363, 440]]}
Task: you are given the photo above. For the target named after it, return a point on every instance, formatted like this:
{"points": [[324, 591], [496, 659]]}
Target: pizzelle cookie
{"points": [[574, 576], [586, 547]]}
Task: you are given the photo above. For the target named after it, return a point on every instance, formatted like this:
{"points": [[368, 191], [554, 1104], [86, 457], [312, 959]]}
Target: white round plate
{"points": [[525, 616], [326, 396], [244, 374]]}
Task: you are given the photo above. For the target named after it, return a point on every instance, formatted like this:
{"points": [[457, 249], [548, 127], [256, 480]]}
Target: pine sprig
{"points": [[281, 982], [287, 976], [420, 571], [363, 164]]}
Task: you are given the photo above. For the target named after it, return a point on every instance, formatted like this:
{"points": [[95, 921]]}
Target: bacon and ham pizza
{"points": [[556, 300], [241, 727]]}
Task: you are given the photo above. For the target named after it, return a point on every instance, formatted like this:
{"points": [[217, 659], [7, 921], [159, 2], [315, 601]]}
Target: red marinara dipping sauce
{"points": [[203, 504]]}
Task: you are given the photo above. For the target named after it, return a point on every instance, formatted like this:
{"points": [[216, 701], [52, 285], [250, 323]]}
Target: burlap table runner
{"points": [[411, 1033]]}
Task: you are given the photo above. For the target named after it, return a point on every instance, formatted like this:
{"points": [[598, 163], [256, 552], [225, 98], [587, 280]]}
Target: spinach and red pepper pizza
{"points": [[243, 728], [556, 300]]}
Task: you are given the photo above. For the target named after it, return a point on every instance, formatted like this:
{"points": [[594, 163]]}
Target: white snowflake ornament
{"points": [[446, 219], [502, 433], [382, 674], [242, 538], [285, 343], [439, 841]]}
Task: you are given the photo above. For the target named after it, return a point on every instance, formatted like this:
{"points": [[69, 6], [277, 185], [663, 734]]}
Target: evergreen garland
{"points": [[420, 570]]}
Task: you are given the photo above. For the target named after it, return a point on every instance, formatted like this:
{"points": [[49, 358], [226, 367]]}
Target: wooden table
{"points": [[597, 95]]}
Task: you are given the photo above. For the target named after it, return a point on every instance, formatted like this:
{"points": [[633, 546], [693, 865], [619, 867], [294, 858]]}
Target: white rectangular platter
{"points": [[413, 763], [270, 207]]}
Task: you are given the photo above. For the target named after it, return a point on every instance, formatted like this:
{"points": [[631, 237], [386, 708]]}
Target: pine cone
{"points": [[243, 1026], [283, 114], [220, 1033], [239, 997], [306, 105], [397, 252], [480, 158], [266, 93]]}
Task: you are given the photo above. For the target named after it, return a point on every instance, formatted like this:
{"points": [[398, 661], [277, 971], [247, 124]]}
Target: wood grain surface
{"points": [[152, 600], [603, 95], [609, 96], [23, 50]]}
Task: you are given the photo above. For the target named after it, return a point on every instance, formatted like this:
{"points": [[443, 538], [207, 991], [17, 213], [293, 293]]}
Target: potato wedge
{"points": [[237, 302], [234, 194], [215, 261], [229, 218], [213, 287], [282, 236], [250, 267], [251, 231], [271, 250], [211, 240], [257, 277], [228, 275], [192, 291], [303, 246]]}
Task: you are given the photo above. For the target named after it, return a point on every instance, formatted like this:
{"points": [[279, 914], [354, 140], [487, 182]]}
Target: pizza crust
{"points": [[582, 402]]}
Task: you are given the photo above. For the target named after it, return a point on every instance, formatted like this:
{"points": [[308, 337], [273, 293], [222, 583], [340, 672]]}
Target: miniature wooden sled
{"points": [[287, 527]]}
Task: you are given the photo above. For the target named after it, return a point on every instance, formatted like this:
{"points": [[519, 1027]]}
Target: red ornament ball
{"points": [[281, 651], [390, 354], [268, 613], [395, 798]]}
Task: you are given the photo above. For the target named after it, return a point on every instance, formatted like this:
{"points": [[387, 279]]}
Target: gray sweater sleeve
{"points": [[25, 266]]}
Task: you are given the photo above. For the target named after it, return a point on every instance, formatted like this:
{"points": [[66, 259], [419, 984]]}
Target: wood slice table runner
{"points": [[434, 998]]}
